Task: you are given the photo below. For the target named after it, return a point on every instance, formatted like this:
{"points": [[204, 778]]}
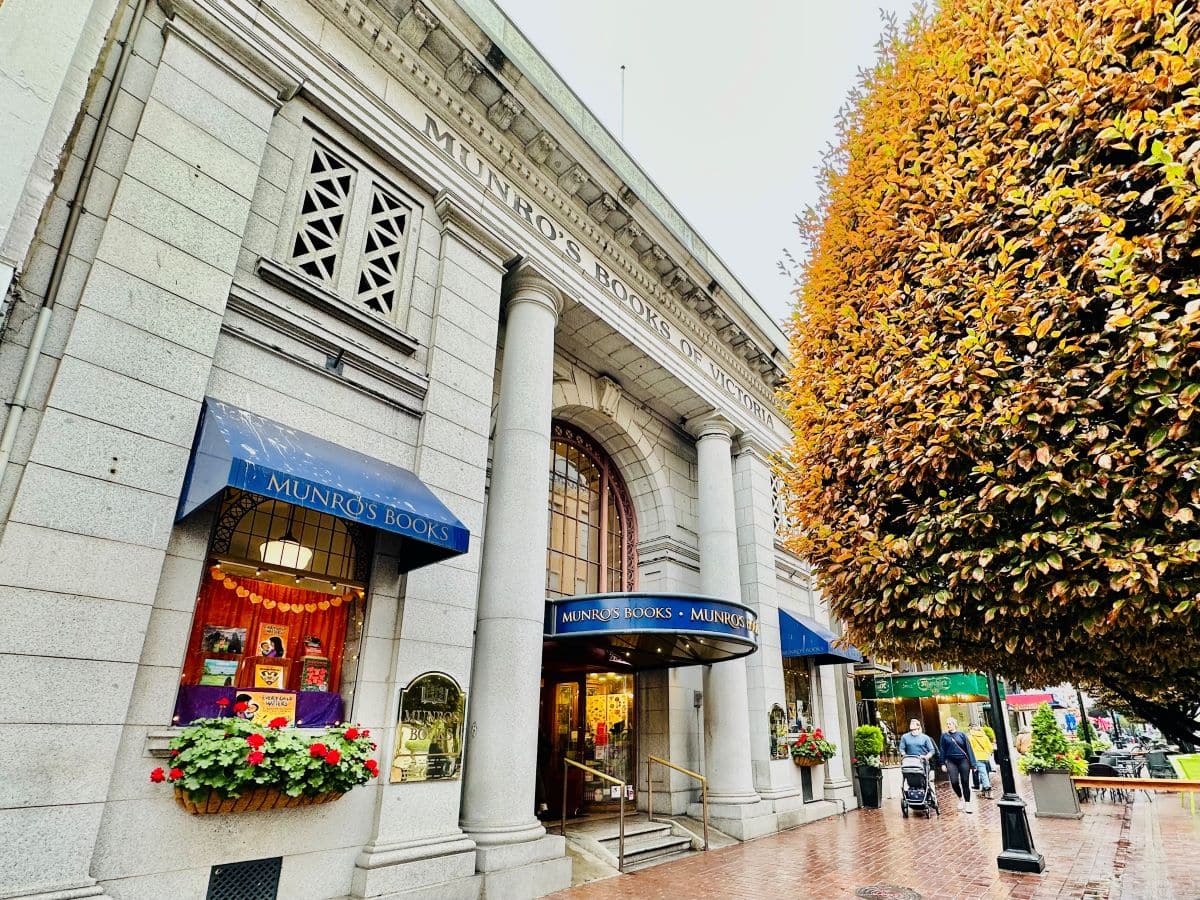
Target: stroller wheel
{"points": [[904, 810]]}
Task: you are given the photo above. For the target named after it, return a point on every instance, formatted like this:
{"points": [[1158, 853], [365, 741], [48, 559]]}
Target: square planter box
{"points": [[1054, 796]]}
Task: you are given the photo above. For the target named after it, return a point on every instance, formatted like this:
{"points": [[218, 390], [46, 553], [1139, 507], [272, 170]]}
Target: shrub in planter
{"points": [[868, 748], [1050, 763], [811, 748], [232, 764]]}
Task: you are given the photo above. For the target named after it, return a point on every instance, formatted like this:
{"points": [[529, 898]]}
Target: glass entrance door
{"points": [[589, 719], [609, 736]]}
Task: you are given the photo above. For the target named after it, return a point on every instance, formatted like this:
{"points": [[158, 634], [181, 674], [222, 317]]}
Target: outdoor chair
{"points": [[1156, 762], [1099, 770]]}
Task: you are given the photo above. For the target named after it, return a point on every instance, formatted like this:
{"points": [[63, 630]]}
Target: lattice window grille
{"points": [[383, 254], [324, 207], [785, 522], [255, 879]]}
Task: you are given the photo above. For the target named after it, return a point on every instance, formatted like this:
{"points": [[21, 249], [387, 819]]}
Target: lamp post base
{"points": [[1018, 854]]}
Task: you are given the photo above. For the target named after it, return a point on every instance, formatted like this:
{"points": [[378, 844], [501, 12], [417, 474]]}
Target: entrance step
{"points": [[646, 843]]}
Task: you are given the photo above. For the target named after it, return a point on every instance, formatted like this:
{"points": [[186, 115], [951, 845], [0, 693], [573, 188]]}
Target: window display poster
{"points": [[266, 676], [263, 706], [272, 640], [219, 671], [223, 639], [314, 673], [429, 729]]}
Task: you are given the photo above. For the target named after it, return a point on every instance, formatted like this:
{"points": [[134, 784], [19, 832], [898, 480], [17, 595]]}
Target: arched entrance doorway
{"points": [[588, 697]]}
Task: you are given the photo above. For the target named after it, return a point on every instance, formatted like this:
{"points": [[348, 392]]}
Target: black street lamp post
{"points": [[1017, 853]]}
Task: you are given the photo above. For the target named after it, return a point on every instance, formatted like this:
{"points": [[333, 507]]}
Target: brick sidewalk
{"points": [[1147, 849]]}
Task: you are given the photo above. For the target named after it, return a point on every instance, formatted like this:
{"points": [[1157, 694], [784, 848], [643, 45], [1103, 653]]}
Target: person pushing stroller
{"points": [[916, 742]]}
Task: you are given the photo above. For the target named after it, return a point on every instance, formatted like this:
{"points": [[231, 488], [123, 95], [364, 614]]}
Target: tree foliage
{"points": [[996, 350]]}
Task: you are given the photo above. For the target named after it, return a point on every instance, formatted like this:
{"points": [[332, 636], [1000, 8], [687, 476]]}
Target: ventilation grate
{"points": [[255, 879]]}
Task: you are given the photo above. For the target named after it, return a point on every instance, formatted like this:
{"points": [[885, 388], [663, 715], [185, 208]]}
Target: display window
{"points": [[279, 615], [797, 688]]}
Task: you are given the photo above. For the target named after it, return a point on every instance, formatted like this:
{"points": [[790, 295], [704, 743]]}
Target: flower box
{"points": [[252, 801], [230, 765], [811, 748]]}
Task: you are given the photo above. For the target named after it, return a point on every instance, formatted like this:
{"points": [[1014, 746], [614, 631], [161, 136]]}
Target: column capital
{"points": [[526, 284], [464, 223], [711, 424], [749, 444]]}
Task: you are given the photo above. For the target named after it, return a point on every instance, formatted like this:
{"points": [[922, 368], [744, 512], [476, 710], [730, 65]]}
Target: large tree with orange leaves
{"points": [[997, 348]]}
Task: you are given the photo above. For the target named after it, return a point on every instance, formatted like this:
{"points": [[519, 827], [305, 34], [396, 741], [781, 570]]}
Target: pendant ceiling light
{"points": [[286, 551]]}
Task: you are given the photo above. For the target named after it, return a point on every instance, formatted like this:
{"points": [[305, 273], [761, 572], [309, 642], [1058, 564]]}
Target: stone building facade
{"points": [[387, 227]]}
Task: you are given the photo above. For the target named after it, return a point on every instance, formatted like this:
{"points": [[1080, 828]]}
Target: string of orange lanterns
{"points": [[245, 593]]}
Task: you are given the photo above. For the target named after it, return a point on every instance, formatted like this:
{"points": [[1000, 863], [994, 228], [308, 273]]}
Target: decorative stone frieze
{"points": [[602, 207], [503, 111], [572, 180], [463, 71], [417, 23], [652, 257], [610, 396], [628, 233], [540, 148]]}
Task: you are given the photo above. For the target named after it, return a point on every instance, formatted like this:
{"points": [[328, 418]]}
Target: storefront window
{"points": [[279, 615], [591, 525], [797, 687]]}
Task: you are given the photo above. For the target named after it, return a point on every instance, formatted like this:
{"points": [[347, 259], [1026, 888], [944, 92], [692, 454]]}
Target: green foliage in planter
{"points": [[868, 745], [229, 756], [1049, 750]]}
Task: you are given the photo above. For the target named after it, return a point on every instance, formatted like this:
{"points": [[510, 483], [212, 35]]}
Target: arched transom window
{"points": [[593, 535]]}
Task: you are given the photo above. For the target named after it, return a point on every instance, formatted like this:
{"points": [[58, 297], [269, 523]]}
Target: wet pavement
{"points": [[1144, 850]]}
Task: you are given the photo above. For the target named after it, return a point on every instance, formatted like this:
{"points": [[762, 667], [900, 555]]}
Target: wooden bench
{"points": [[1135, 784]]}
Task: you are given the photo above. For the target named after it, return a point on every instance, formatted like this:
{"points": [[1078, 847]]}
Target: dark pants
{"points": [[960, 776]]}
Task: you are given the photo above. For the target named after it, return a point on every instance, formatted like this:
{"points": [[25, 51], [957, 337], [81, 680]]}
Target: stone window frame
{"points": [[371, 175]]}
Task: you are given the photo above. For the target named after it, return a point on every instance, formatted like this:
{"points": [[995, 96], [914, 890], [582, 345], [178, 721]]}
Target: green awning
{"points": [[944, 685]]}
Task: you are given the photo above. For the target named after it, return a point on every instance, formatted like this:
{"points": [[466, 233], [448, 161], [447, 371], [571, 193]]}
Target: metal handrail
{"points": [[670, 765], [620, 818]]}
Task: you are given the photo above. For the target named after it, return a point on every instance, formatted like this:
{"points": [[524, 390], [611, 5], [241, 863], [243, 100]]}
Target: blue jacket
{"points": [[956, 745], [915, 744]]}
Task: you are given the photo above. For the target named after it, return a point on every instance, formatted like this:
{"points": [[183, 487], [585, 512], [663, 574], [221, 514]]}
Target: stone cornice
{"points": [[388, 48], [458, 218], [202, 23]]}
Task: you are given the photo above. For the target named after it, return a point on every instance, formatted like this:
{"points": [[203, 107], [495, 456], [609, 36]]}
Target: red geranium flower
{"points": [[372, 767], [317, 750], [240, 707], [352, 734], [333, 757], [366, 732], [255, 757], [817, 734], [174, 752], [158, 776], [374, 746], [277, 722], [222, 702], [175, 774], [804, 737], [255, 740]]}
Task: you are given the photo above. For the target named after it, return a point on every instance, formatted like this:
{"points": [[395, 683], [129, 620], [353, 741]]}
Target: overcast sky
{"points": [[728, 106]]}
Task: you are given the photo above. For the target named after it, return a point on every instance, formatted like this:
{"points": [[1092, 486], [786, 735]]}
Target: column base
{"points": [[442, 866], [841, 791], [739, 820], [525, 870]]}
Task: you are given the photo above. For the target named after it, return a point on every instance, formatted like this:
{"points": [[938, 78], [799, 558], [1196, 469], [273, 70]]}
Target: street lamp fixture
{"points": [[1017, 853]]}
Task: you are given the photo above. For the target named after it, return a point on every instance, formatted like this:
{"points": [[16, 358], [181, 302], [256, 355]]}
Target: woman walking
{"points": [[958, 759], [982, 745]]}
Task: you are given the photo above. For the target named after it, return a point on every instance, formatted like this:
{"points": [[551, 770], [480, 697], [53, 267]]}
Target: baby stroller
{"points": [[917, 789]]}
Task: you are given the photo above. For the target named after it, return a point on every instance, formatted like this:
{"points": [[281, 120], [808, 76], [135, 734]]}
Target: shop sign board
{"points": [[429, 731], [651, 613], [932, 684]]}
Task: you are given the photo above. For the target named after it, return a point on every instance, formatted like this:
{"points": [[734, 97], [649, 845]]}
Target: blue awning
{"points": [[801, 636], [242, 450]]}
